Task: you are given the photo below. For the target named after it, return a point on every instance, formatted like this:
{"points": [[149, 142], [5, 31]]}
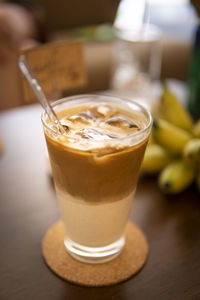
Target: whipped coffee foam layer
{"points": [[99, 122]]}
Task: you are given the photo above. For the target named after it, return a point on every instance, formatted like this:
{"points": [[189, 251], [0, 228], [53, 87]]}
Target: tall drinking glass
{"points": [[95, 168]]}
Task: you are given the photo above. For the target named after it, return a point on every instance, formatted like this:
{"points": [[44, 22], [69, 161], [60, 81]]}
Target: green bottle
{"points": [[194, 78]]}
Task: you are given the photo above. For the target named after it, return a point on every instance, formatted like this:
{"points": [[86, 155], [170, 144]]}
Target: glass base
{"points": [[94, 255]]}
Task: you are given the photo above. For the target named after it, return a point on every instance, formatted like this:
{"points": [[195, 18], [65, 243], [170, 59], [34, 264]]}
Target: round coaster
{"points": [[128, 263]]}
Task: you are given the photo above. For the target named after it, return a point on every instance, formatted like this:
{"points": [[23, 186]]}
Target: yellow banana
{"points": [[196, 129], [191, 151], [173, 111], [176, 177], [170, 136], [155, 159]]}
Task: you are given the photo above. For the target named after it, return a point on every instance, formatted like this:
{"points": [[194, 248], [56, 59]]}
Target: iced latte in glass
{"points": [[95, 166]]}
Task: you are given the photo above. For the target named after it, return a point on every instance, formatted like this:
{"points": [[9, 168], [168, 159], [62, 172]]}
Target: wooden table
{"points": [[29, 208]]}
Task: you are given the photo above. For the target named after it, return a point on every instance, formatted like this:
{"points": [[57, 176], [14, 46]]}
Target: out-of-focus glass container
{"points": [[137, 61]]}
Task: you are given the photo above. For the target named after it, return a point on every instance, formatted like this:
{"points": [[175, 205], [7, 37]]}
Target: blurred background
{"points": [[129, 45]]}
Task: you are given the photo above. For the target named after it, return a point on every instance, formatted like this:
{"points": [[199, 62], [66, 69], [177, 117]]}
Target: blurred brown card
{"points": [[58, 67]]}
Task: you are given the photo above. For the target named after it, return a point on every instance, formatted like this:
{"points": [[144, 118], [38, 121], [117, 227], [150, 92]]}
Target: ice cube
{"points": [[102, 110], [66, 127], [90, 133], [121, 122], [83, 117], [66, 124]]}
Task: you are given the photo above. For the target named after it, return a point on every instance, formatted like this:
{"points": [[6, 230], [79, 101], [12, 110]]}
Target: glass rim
{"points": [[82, 96]]}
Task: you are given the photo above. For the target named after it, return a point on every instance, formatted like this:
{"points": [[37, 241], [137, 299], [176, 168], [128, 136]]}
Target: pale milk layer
{"points": [[93, 225]]}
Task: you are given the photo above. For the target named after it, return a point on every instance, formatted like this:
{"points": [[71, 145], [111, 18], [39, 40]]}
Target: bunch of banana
{"points": [[196, 129], [174, 148]]}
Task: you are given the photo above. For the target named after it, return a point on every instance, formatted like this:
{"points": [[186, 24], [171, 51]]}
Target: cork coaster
{"points": [[128, 263]]}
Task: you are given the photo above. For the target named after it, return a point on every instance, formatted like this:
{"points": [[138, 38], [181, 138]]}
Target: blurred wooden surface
{"points": [[29, 208]]}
